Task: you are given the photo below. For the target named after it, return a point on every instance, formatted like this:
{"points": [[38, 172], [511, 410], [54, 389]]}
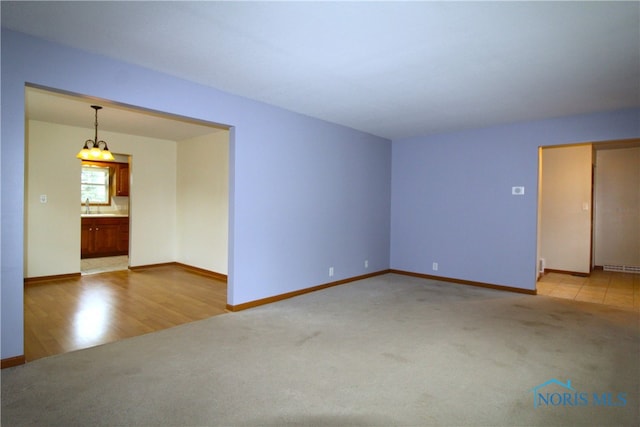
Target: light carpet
{"points": [[388, 350]]}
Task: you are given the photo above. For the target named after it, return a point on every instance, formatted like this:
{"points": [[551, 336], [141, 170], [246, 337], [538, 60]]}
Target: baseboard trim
{"points": [[466, 282], [208, 273], [148, 266], [573, 273], [42, 279], [197, 270], [10, 362], [275, 298]]}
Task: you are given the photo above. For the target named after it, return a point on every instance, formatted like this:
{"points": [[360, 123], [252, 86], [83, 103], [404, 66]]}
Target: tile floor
{"points": [[603, 287], [102, 265]]}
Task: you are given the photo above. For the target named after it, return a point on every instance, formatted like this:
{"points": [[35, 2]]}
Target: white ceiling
{"points": [[393, 69], [61, 108]]}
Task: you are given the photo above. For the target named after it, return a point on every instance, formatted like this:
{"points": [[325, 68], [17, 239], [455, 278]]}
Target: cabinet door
{"points": [[86, 238], [105, 237], [122, 179], [123, 236]]}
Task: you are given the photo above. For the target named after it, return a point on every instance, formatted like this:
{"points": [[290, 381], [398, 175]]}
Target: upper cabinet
{"points": [[122, 179]]}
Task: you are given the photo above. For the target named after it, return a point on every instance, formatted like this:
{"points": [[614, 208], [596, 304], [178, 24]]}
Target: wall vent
{"points": [[622, 268]]}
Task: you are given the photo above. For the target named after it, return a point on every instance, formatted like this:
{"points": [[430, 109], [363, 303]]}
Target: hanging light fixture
{"points": [[92, 147]]}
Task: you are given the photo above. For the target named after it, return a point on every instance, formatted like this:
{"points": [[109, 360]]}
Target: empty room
{"points": [[330, 213]]}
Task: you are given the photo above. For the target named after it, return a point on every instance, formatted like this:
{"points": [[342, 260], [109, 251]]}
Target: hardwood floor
{"points": [[71, 314]]}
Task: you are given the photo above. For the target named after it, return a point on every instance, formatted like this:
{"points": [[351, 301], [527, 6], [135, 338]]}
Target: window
{"points": [[94, 184]]}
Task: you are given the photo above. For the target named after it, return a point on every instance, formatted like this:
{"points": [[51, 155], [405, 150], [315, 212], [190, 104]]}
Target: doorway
{"points": [[590, 190], [105, 218], [179, 187]]}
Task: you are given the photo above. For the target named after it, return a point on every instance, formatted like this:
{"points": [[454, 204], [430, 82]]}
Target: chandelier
{"points": [[94, 149]]}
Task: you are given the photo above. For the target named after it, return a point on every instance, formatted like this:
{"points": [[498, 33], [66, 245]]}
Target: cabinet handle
{"points": [[91, 229], [97, 229]]}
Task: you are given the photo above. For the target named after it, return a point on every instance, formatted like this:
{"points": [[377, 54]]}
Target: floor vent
{"points": [[622, 268]]}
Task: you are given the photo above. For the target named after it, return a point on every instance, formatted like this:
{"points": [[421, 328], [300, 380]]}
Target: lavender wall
{"points": [[452, 202], [304, 194]]}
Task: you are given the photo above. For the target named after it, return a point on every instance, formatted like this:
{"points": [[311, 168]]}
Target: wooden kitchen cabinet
{"points": [[122, 179], [123, 236], [104, 236]]}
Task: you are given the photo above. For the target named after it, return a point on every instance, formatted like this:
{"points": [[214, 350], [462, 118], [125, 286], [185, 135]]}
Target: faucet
{"points": [[88, 209]]}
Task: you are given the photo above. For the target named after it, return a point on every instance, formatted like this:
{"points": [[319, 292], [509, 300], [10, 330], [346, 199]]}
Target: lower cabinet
{"points": [[104, 236]]}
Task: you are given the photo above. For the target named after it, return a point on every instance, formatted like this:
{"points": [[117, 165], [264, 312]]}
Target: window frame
{"points": [[109, 184]]}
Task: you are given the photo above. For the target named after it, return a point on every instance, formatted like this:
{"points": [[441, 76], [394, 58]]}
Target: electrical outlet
{"points": [[366, 263], [434, 267], [43, 198], [330, 271]]}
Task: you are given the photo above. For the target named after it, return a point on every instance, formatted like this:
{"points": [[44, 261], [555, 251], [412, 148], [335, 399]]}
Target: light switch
{"points": [[585, 206], [43, 198]]}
